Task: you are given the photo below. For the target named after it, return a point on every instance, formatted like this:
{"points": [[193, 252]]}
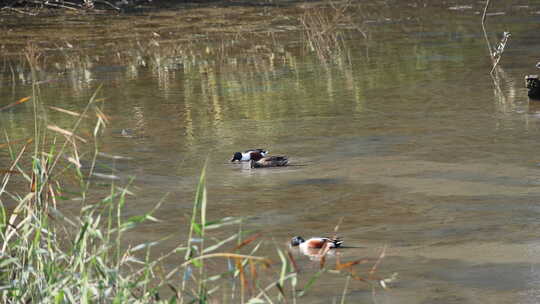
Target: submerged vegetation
{"points": [[52, 256]]}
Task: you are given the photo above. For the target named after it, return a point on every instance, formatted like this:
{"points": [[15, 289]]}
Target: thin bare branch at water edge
{"points": [[495, 53]]}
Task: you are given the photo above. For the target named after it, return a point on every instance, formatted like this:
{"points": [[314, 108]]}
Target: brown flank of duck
{"points": [[258, 161]]}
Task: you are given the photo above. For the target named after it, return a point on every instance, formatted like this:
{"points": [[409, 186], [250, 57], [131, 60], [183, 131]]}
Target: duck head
{"points": [[297, 240], [236, 156]]}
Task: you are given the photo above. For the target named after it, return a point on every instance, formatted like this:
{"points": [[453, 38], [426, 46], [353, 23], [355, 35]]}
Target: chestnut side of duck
{"points": [[316, 242]]}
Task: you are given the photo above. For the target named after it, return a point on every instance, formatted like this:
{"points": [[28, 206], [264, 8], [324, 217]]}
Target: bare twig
{"points": [[23, 12], [494, 54]]}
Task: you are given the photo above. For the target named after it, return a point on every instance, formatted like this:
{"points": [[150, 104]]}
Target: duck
{"points": [[247, 155], [532, 82], [258, 161], [315, 243]]}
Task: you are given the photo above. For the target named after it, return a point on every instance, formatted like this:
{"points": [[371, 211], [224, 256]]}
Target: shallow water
{"points": [[402, 134]]}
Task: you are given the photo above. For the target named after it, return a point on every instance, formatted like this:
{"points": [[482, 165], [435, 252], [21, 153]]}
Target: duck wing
{"points": [[336, 241], [262, 151], [277, 160]]}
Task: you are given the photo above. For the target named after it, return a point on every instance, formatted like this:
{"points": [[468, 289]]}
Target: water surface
{"points": [[401, 133]]}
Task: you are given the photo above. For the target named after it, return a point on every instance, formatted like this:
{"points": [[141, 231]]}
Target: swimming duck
{"points": [[246, 155], [315, 242], [532, 82], [258, 161]]}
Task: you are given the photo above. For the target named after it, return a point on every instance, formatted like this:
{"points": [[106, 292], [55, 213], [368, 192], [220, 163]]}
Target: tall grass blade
{"points": [[219, 244], [196, 227], [284, 267], [293, 261], [311, 282], [379, 260], [344, 293]]}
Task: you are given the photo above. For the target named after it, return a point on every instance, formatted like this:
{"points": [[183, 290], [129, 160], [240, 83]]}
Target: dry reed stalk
{"points": [[22, 100], [243, 280], [247, 241], [10, 143], [33, 55], [321, 29], [293, 262], [495, 54], [72, 113], [68, 134], [379, 260], [341, 266]]}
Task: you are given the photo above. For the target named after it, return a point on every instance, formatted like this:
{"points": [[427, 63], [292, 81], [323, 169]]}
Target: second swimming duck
{"points": [[258, 161], [316, 242]]}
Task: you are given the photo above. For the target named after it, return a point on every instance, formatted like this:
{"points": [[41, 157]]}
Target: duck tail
{"points": [[336, 241]]}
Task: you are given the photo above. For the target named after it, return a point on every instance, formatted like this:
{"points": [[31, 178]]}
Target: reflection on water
{"points": [[402, 133]]}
